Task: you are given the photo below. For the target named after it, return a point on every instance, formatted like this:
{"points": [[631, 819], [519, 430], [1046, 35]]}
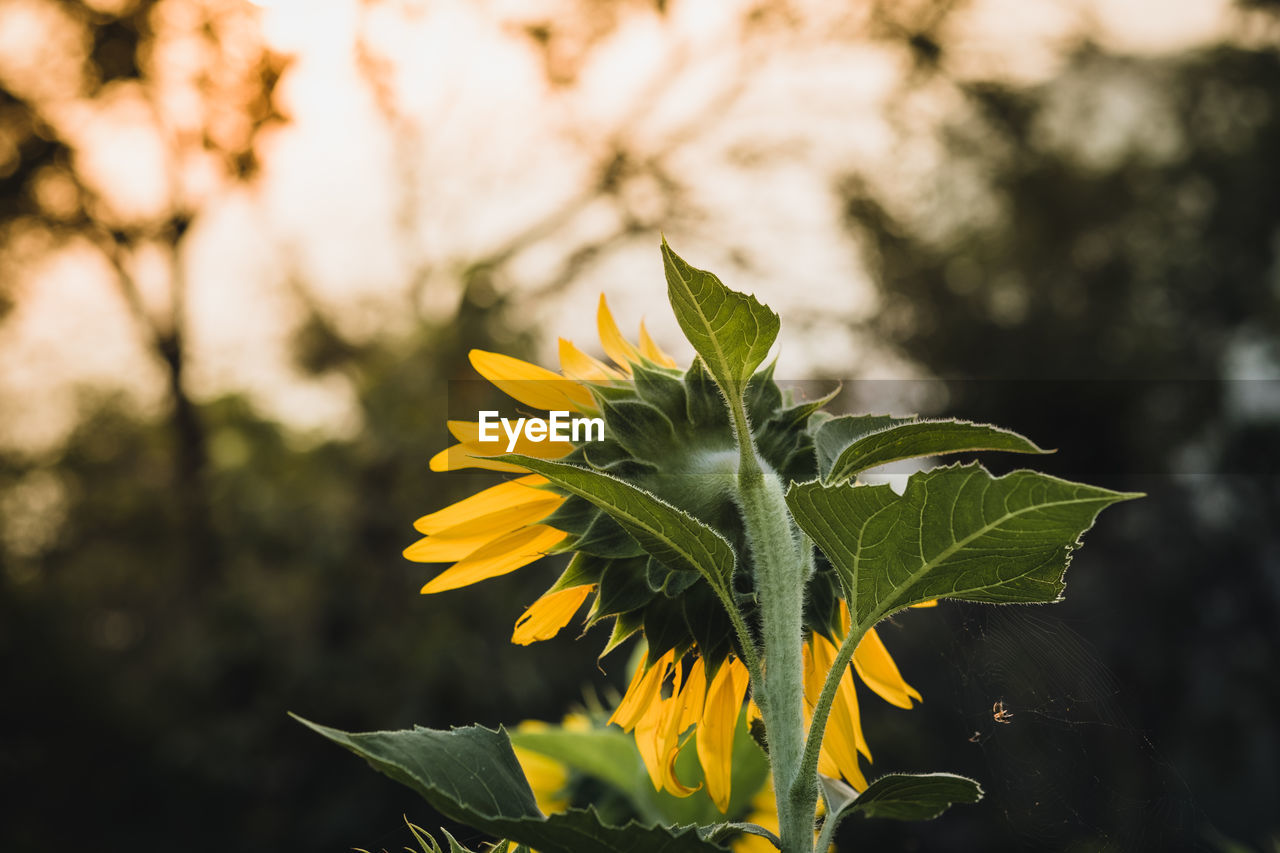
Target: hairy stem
{"points": [[781, 569]]}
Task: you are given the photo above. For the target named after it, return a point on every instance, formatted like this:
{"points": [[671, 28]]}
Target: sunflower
{"points": [[666, 431]]}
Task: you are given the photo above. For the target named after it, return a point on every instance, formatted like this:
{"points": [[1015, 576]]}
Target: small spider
{"points": [[999, 714]]}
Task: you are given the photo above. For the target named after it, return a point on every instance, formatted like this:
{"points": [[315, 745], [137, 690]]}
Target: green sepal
{"points": [[670, 534], [853, 443], [623, 588], [731, 332], [471, 775], [665, 628], [641, 428], [660, 388], [606, 538], [707, 623], [573, 516], [956, 532], [581, 571], [704, 407], [762, 397], [794, 414], [611, 457], [666, 581], [625, 626]]}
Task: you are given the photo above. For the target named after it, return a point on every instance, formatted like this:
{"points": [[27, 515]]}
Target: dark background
{"points": [[211, 574]]}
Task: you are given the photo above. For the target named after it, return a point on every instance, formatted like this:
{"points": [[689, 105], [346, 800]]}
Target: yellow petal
{"points": [[433, 550], [694, 696], [657, 736], [878, 671], [494, 524], [933, 603], [468, 432], [650, 349], [715, 733], [576, 364], [547, 777], [618, 347], [532, 385], [843, 739], [469, 456], [511, 493], [645, 685], [504, 554], [546, 616]]}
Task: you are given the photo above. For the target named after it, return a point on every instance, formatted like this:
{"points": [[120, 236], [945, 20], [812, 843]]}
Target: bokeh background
{"points": [[244, 248]]}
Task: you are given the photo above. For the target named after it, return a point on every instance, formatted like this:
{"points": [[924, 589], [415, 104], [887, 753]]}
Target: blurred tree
{"points": [[186, 80], [1095, 265]]}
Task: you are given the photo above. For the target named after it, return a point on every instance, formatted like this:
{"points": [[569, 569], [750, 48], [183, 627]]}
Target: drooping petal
{"points": [[550, 613], [504, 554], [618, 348], [530, 384], [878, 671], [933, 603], [577, 365], [650, 349], [468, 432], [843, 739], [657, 736], [694, 698], [646, 684], [715, 733], [511, 493]]}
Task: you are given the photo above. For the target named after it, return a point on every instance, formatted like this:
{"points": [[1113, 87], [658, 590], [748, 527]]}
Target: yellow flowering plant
{"points": [[723, 525]]}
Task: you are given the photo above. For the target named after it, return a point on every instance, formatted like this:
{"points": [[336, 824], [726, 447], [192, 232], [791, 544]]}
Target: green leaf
{"points": [[471, 775], [672, 535], [608, 754], [956, 532], [834, 434], [731, 331], [851, 444], [900, 796], [721, 831]]}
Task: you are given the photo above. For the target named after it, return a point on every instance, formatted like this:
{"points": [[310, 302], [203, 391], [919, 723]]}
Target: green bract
{"points": [[722, 516]]}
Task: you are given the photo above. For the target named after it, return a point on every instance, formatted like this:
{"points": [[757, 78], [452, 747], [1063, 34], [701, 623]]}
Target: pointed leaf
{"points": [[731, 331], [834, 434], [471, 775], [851, 444], [672, 535], [901, 796], [957, 532]]}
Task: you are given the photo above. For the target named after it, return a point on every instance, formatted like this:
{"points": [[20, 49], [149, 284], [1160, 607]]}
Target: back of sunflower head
{"points": [[722, 526]]}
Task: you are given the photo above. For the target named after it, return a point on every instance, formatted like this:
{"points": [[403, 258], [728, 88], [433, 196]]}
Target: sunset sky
{"points": [[423, 137]]}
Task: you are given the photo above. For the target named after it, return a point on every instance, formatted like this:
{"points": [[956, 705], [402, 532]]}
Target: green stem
{"points": [[781, 569]]}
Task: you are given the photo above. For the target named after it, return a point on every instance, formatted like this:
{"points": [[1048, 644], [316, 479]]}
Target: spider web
{"points": [[1066, 769]]}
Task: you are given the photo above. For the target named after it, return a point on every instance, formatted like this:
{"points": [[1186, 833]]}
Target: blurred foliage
{"points": [[151, 701], [1110, 288]]}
